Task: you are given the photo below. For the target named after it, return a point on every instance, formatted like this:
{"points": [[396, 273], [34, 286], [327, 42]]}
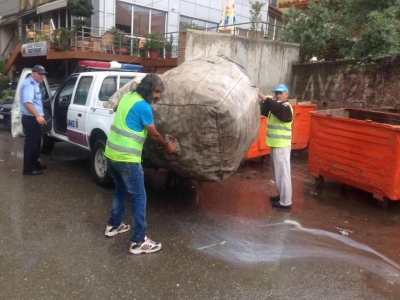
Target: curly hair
{"points": [[147, 86]]}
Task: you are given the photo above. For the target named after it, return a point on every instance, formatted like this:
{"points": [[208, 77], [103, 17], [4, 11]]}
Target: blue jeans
{"points": [[128, 178]]}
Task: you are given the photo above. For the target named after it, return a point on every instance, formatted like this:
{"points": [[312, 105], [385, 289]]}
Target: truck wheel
{"points": [[100, 172], [47, 144]]}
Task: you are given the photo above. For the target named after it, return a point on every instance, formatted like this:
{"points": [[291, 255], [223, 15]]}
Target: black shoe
{"points": [[278, 205], [39, 166], [275, 198], [32, 172]]}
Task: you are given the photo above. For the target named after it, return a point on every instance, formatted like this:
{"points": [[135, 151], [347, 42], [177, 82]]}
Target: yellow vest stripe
{"points": [[279, 127], [123, 149], [128, 134]]}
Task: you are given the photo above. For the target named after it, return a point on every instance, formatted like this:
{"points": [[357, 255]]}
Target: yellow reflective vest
{"points": [[123, 143], [279, 134]]}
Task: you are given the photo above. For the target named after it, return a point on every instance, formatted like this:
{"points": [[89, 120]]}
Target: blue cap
{"points": [[281, 88]]}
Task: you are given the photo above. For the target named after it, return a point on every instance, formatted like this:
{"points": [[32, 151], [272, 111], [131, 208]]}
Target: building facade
{"points": [[135, 17]]}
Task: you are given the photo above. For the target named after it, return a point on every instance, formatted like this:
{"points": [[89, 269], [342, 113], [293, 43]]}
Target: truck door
{"points": [[77, 112]]}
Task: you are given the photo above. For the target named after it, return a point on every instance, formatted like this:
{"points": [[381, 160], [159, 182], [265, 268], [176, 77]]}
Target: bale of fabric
{"points": [[211, 107]]}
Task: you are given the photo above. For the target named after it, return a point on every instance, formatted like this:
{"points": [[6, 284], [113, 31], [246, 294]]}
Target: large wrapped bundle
{"points": [[211, 107]]}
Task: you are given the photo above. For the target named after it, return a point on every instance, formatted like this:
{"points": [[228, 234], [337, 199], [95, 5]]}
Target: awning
{"points": [[51, 6], [14, 17]]}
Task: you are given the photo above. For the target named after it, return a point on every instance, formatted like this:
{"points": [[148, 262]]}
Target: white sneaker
{"points": [[148, 246], [113, 231]]}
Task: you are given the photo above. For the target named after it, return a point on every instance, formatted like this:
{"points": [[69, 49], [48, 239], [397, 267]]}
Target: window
{"points": [[68, 88], [108, 88], [82, 91], [272, 3], [143, 20], [124, 19], [124, 80], [187, 22]]}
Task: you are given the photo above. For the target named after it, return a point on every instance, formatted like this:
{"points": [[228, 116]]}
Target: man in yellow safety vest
{"points": [[132, 122], [279, 138]]}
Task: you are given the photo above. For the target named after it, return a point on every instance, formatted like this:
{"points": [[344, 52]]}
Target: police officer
{"points": [[279, 138], [32, 120]]}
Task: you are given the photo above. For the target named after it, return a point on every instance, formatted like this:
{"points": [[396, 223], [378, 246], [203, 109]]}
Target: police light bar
{"points": [[110, 66]]}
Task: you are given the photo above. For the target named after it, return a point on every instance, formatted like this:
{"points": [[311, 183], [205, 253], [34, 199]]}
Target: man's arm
{"points": [[156, 136], [279, 109]]}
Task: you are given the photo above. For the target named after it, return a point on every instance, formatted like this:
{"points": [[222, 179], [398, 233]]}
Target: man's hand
{"points": [[41, 120], [171, 147]]}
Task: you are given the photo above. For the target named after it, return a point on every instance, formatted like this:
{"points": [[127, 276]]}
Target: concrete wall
{"points": [[267, 63], [348, 83]]}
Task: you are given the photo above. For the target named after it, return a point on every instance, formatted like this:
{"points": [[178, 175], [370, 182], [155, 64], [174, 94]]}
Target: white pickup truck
{"points": [[76, 114]]}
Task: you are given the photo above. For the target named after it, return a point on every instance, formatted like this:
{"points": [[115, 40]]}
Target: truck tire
{"points": [[100, 173], [47, 144]]}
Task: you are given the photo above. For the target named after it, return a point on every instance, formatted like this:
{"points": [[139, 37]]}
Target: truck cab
{"points": [[76, 113]]}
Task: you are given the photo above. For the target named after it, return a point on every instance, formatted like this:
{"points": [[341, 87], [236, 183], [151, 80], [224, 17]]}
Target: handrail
{"points": [[10, 47]]}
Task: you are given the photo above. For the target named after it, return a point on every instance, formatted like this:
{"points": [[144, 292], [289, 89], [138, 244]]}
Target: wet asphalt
{"points": [[220, 240]]}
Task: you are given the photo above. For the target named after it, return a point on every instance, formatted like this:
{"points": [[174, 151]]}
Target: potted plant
{"points": [[60, 39], [154, 42], [119, 40], [168, 45]]}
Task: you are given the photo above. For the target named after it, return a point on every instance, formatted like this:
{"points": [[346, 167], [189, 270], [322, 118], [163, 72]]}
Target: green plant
{"points": [[119, 37], [344, 29], [154, 42], [60, 38], [168, 44], [80, 8], [2, 63], [8, 94], [4, 84], [255, 14]]}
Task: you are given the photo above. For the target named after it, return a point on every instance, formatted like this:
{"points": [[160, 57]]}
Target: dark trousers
{"points": [[33, 137]]}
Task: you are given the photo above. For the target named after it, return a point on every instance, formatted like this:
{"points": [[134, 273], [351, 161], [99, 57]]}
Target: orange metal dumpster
{"points": [[301, 125], [259, 147], [358, 148], [300, 132]]}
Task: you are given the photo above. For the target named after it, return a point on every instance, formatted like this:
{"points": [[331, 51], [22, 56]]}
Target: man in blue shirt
{"points": [[32, 120]]}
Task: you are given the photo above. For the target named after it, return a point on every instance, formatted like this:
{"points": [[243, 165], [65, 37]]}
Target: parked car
{"points": [[5, 113]]}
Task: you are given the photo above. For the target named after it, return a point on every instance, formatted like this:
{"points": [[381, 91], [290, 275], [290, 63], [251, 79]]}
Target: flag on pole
{"points": [[228, 19]]}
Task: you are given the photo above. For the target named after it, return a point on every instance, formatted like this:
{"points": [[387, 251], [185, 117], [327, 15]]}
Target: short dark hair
{"points": [[147, 86]]}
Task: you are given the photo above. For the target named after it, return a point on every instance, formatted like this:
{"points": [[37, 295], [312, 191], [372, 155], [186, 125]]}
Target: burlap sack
{"points": [[212, 109]]}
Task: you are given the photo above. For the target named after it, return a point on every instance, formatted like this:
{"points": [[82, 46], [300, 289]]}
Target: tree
{"points": [[344, 29], [81, 9], [255, 14]]}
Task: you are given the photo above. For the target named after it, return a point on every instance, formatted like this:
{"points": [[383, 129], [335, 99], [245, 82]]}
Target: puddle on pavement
{"points": [[243, 241]]}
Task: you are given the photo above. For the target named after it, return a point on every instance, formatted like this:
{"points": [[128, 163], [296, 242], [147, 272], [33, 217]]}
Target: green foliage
{"points": [[119, 36], [185, 26], [344, 29], [81, 23], [8, 94], [154, 42], [168, 44], [255, 13], [2, 63], [60, 38], [80, 8], [4, 84]]}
